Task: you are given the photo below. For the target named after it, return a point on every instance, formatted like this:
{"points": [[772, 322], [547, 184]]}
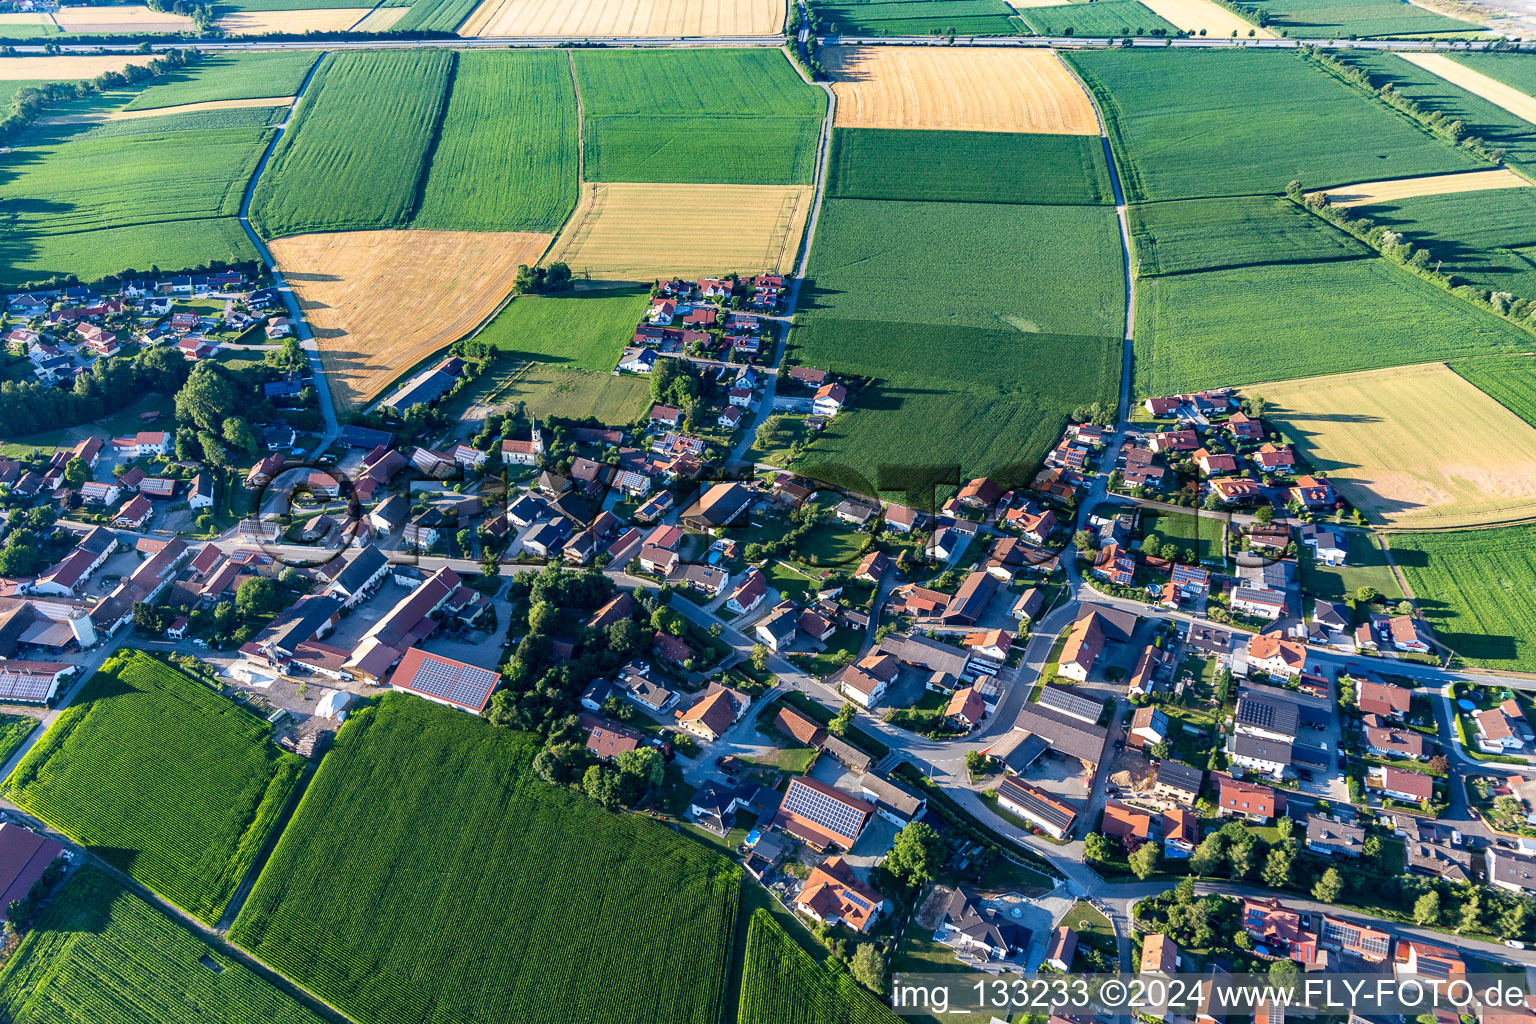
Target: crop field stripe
{"points": [[1186, 324], [183, 108], [567, 19], [238, 76], [965, 89], [1521, 104], [325, 19], [782, 984], [373, 320], [475, 181], [1194, 235], [1364, 430], [1368, 193], [57, 69], [164, 778], [1515, 70], [330, 171], [1477, 589], [1175, 117], [1197, 15], [381, 919], [1103, 18]]}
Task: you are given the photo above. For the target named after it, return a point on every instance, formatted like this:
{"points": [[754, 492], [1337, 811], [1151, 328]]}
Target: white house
{"points": [[145, 442]]}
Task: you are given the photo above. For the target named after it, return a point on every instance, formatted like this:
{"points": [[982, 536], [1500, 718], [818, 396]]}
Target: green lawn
{"points": [[578, 331], [787, 581], [465, 841], [552, 390], [1244, 122], [977, 167], [1477, 588], [724, 116], [230, 76], [844, 640], [100, 953], [1510, 382], [1200, 533], [1365, 566], [163, 778]]}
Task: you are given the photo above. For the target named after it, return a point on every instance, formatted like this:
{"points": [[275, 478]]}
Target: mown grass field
{"points": [[1219, 234], [100, 953], [977, 167], [505, 158], [1103, 18], [1493, 124], [1510, 382], [1366, 566], [1245, 122], [236, 76], [163, 778], [918, 17], [782, 984], [972, 365], [1477, 589], [1363, 19], [1487, 239], [698, 116], [1221, 326], [579, 331], [428, 875], [333, 170], [84, 199]]}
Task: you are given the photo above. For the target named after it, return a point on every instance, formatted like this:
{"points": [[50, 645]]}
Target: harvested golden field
{"points": [[382, 19], [1369, 192], [327, 19], [180, 108], [24, 18], [976, 89], [1477, 83], [627, 232], [379, 302], [1412, 446], [53, 69], [580, 18], [1194, 15], [120, 19]]}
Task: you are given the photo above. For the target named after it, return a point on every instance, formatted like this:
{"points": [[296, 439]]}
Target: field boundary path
{"points": [[301, 327]]}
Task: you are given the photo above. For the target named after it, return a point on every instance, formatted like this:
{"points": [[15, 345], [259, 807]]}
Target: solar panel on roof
{"points": [[24, 686]]}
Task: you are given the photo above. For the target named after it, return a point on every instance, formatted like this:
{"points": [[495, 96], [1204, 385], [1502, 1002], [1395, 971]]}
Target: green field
{"points": [[335, 168], [698, 116], [505, 158], [1487, 239], [1199, 533], [433, 15], [1194, 124], [1363, 19], [550, 390], [1096, 20], [100, 954], [189, 121], [1226, 326], [1510, 382], [238, 76], [1477, 588], [1493, 124], [782, 984], [428, 875], [976, 167], [163, 778], [970, 366], [1219, 234], [580, 331], [29, 31], [167, 191], [918, 17], [1514, 70]]}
